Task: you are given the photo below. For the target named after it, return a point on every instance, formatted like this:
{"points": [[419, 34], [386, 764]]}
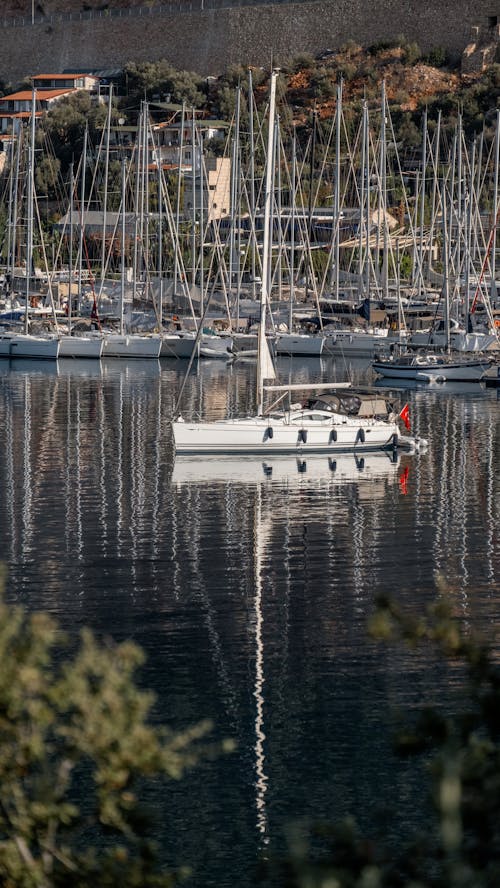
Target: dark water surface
{"points": [[248, 589]]}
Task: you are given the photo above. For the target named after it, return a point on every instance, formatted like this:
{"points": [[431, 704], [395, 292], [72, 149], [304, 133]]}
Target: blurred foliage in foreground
{"points": [[76, 755], [462, 848]]}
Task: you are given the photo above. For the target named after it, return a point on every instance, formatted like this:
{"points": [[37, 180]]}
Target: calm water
{"points": [[250, 588]]}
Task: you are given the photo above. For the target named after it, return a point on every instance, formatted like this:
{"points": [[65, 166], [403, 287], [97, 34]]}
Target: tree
{"points": [[76, 749], [63, 126], [461, 848], [150, 79]]}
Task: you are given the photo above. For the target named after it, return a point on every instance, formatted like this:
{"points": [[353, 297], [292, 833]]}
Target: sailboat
{"points": [[427, 365], [26, 345], [431, 366], [335, 419]]}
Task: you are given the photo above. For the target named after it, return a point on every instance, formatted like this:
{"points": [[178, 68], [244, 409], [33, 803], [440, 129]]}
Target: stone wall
{"points": [[207, 41]]}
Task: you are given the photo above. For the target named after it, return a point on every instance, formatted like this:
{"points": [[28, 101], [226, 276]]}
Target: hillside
{"points": [[413, 80]]}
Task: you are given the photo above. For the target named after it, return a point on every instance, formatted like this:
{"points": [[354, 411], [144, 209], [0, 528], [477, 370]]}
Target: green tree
{"points": [[144, 80], [76, 753], [63, 126]]}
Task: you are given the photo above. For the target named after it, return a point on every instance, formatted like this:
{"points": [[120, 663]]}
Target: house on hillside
{"points": [[170, 135], [66, 81], [50, 88]]}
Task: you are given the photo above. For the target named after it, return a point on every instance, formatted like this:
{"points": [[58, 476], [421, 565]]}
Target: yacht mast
{"points": [[31, 183], [264, 364]]}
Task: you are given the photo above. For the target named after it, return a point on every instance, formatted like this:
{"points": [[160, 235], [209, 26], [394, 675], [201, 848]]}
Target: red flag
{"points": [[405, 416]]}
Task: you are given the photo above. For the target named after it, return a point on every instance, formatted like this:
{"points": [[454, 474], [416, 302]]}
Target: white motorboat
{"points": [[429, 366]]}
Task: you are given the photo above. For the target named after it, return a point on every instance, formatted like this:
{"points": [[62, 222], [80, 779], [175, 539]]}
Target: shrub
{"points": [[438, 57]]}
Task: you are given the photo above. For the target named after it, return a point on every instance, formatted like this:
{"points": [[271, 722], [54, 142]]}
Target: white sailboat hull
{"points": [[261, 435], [174, 345], [25, 346], [118, 346], [356, 343], [298, 344], [80, 347]]}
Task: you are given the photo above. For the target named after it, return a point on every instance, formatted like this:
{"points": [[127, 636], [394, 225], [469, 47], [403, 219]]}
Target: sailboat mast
{"points": [[82, 217], [446, 269], [31, 183], [19, 141], [263, 351], [70, 249], [252, 174], [292, 230], [106, 178], [336, 213], [495, 210], [122, 287]]}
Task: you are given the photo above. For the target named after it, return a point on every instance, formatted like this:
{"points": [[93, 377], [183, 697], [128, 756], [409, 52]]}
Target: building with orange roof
{"points": [[50, 88]]}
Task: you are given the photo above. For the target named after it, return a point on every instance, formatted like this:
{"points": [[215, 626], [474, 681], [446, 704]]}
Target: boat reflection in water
{"points": [[275, 487], [339, 468], [445, 387]]}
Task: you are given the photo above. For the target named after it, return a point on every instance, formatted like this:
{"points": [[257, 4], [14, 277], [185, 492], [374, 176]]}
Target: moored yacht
{"points": [[428, 365]]}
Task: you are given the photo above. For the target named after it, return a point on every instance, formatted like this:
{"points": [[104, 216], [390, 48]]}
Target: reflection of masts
{"points": [[27, 507], [261, 777], [9, 464], [73, 477]]}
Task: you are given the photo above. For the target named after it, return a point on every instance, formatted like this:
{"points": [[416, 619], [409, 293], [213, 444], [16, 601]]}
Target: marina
{"points": [[249, 388], [249, 583]]}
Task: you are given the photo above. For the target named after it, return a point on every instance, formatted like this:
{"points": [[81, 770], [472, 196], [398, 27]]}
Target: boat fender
{"points": [[332, 465], [303, 435], [360, 437], [301, 466], [395, 440], [333, 436], [269, 432], [360, 463], [268, 470]]}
